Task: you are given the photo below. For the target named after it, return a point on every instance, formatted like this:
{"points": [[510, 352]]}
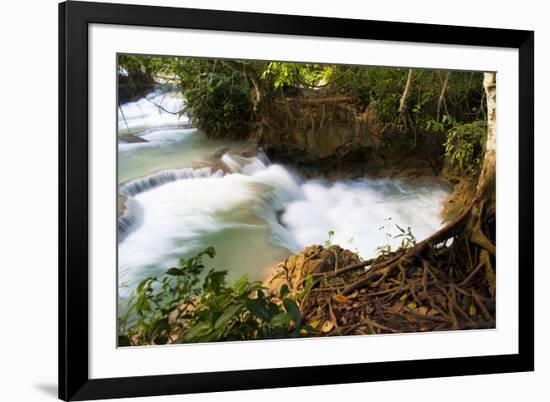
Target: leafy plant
{"points": [[407, 238], [283, 76], [217, 97], [385, 249], [177, 309], [328, 242], [464, 147]]}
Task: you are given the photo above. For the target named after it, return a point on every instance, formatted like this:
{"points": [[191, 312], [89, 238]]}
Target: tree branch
{"points": [[249, 72]]}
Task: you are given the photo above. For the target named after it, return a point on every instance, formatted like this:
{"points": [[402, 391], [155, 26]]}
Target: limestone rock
{"points": [[312, 260]]}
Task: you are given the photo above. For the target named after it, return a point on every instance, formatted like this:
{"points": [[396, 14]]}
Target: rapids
{"points": [[256, 214]]}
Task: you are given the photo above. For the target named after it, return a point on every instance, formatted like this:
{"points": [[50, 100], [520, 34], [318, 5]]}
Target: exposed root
{"points": [[447, 281]]}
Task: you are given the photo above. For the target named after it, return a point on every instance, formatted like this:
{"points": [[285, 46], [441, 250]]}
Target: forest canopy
{"points": [[235, 98]]}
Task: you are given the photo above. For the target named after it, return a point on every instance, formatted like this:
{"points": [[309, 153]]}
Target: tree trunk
{"points": [[405, 96], [487, 177], [442, 94]]}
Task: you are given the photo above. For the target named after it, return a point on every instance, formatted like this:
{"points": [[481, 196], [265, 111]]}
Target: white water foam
{"points": [[160, 137], [145, 114], [184, 210], [165, 176], [132, 217], [363, 213]]}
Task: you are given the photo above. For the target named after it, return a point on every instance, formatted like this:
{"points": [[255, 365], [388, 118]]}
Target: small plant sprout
{"points": [[407, 238], [328, 242]]}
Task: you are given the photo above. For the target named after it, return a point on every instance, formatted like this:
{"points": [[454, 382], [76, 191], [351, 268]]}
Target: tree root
{"points": [[447, 281]]}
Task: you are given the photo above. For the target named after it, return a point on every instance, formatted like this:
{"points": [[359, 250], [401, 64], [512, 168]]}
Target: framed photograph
{"points": [[258, 201]]}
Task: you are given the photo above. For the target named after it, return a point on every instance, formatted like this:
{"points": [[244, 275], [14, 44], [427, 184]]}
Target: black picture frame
{"points": [[74, 381]]}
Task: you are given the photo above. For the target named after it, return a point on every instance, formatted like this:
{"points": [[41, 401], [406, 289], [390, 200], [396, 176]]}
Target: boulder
{"points": [[312, 260]]}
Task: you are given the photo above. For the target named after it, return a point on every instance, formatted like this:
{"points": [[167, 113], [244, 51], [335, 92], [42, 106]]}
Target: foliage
{"points": [[177, 309], [405, 235], [328, 242], [148, 65], [464, 147], [217, 97], [283, 76], [442, 107], [382, 88], [136, 74]]}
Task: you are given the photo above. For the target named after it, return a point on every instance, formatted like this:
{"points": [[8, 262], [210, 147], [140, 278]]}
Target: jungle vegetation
{"points": [[446, 281]]}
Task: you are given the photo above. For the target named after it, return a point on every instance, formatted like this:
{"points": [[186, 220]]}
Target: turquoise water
{"points": [[254, 216]]}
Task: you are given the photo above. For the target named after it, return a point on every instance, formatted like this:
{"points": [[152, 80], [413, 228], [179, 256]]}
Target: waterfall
{"points": [[247, 166], [363, 213], [260, 212], [165, 176], [156, 110], [280, 187], [132, 217]]}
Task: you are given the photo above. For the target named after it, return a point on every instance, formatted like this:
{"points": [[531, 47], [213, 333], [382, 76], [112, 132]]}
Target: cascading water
{"points": [[254, 215], [165, 176], [133, 212], [158, 110], [363, 213], [131, 219]]}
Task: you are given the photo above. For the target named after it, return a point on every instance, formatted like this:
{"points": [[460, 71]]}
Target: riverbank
{"points": [[258, 202], [340, 195]]}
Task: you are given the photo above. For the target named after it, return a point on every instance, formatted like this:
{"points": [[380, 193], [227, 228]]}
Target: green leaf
{"points": [[200, 329], [257, 308], [123, 340], [174, 272], [284, 290], [241, 286], [255, 286], [227, 315], [280, 320], [162, 324], [273, 308], [292, 309], [210, 251], [142, 284], [214, 281]]}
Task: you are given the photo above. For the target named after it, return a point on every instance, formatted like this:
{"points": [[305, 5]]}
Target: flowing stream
{"points": [[255, 214]]}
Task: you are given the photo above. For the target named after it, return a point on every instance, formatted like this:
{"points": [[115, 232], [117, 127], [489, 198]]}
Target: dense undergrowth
{"points": [[188, 305]]}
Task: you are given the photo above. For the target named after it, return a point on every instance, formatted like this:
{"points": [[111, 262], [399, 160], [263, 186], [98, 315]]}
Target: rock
{"points": [[315, 129], [312, 260], [130, 138], [121, 204]]}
